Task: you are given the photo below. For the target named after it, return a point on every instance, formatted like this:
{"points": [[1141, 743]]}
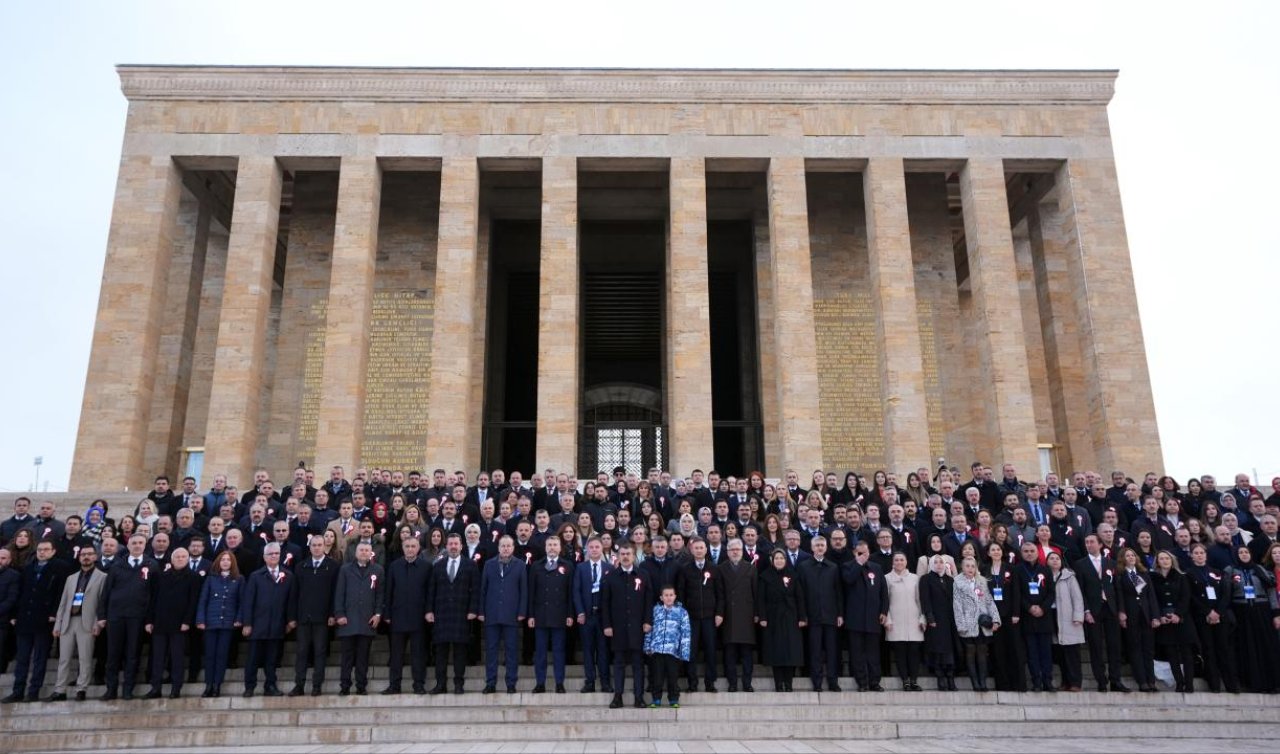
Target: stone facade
{"points": [[939, 260]]}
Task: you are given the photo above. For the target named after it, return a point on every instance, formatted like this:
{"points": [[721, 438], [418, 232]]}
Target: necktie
{"points": [[453, 569], [315, 564], [133, 562], [193, 565], [1133, 577], [595, 573]]}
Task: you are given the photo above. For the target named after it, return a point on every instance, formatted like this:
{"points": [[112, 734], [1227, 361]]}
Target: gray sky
{"points": [[1196, 104]]}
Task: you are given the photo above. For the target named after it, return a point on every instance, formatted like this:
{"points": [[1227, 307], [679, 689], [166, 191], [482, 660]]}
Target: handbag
{"points": [[985, 621]]}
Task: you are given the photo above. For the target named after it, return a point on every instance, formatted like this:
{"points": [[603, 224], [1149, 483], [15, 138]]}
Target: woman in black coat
{"points": [[1176, 634], [1009, 655], [939, 615], [1214, 621], [780, 607], [1139, 616], [1257, 644]]}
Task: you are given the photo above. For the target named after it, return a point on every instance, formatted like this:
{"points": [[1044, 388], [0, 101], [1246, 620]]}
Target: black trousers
{"points": [[30, 662], [621, 659], [666, 672], [171, 647], [459, 652], [417, 641], [824, 654], [1141, 643], [265, 654], [739, 655], [1010, 654], [702, 638], [124, 647], [1103, 639], [864, 648], [906, 656], [355, 652], [1182, 662], [1069, 664], [311, 650], [1219, 655]]}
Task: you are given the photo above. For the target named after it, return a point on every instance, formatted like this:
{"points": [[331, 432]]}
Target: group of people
{"points": [[679, 580]]}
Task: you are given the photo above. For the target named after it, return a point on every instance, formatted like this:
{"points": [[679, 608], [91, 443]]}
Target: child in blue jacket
{"points": [[668, 643]]}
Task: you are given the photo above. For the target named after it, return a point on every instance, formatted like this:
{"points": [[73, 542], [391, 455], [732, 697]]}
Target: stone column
{"points": [[688, 370], [451, 424], [235, 401], [340, 417], [906, 420], [1122, 416], [118, 390], [799, 423], [558, 384], [993, 277]]}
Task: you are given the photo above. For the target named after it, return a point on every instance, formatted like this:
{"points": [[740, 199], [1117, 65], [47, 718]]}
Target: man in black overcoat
{"points": [[453, 600], [626, 607], [407, 583]]}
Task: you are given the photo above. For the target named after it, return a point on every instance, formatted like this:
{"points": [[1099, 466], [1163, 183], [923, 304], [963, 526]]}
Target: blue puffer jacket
{"points": [[219, 602], [671, 633]]}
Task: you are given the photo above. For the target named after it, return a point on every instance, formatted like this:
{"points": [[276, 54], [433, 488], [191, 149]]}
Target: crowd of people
{"points": [[677, 580]]}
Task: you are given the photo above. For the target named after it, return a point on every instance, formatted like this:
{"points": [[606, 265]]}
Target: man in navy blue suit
{"points": [[504, 597], [586, 601]]}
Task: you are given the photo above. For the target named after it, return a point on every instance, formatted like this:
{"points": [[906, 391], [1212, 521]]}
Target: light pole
{"points": [[38, 463]]}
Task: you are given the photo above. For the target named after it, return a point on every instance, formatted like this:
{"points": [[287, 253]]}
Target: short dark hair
{"points": [[162, 478]]}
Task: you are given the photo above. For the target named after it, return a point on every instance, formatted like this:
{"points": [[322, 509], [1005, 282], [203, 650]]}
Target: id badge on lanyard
{"points": [[1250, 592], [997, 594], [1034, 587]]}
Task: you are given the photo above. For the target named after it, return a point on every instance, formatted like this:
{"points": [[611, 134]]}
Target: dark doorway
{"points": [[735, 373], [511, 353]]}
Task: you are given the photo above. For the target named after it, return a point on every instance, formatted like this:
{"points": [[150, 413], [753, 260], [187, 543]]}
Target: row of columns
{"points": [[118, 395]]}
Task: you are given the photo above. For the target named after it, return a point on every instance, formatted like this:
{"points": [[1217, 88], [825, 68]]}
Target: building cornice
{"points": [[587, 85]]}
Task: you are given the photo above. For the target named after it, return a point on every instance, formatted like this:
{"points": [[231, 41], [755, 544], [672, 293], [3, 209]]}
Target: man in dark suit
{"points": [[1036, 593], [36, 607], [866, 607], [171, 616], [824, 596], [550, 612], [452, 603], [316, 578], [586, 602], [126, 598], [702, 594], [264, 616], [1097, 576], [626, 609], [504, 597], [738, 579], [10, 588], [408, 579]]}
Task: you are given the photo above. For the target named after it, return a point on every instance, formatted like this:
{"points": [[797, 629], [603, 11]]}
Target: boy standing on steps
{"points": [[668, 643]]}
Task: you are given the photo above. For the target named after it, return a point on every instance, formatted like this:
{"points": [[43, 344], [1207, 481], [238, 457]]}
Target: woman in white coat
{"points": [[904, 628], [977, 619], [1070, 615]]}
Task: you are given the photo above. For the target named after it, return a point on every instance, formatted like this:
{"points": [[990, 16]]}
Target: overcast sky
{"points": [[1193, 118]]}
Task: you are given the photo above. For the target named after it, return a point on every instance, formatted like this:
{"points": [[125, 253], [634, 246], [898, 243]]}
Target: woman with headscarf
{"points": [[780, 607], [937, 603]]}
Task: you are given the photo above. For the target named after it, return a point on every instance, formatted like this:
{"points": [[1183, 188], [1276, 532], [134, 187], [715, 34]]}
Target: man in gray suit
{"points": [[75, 626]]}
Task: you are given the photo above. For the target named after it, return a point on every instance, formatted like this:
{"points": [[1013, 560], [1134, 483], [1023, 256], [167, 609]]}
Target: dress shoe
{"points": [[877, 687], [208, 693], [419, 690], [391, 691], [1102, 688], [639, 703], [559, 688], [57, 697], [457, 690], [511, 689], [747, 688], [152, 694], [489, 689], [175, 694], [127, 695], [217, 691], [344, 692], [315, 691], [1151, 689], [362, 691], [272, 691], [109, 696], [80, 696], [1120, 687], [588, 688], [296, 691], [616, 702], [834, 687], [711, 689], [606, 687], [248, 694], [540, 689], [437, 690], [733, 688], [691, 687]]}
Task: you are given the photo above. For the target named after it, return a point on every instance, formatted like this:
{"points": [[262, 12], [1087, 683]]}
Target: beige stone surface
{"points": [[340, 421], [1008, 409], [688, 320], [558, 325], [906, 420], [455, 363], [118, 390], [1121, 409], [235, 405], [797, 379]]}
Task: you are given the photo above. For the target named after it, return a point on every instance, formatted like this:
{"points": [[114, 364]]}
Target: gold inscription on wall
{"points": [[395, 408], [312, 374], [849, 382], [932, 385]]}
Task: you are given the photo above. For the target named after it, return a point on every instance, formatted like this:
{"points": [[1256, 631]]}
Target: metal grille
{"points": [[627, 448], [620, 435]]}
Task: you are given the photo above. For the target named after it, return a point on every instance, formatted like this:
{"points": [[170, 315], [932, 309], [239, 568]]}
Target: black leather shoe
{"points": [[710, 688], [419, 690], [437, 690], [57, 697], [272, 691], [110, 696], [315, 691], [12, 698], [457, 690], [877, 687], [344, 692], [616, 703], [588, 688], [296, 691], [834, 687], [152, 694], [733, 688], [362, 691], [248, 694], [80, 696], [539, 689], [691, 687], [559, 688], [175, 694], [391, 691], [1123, 689], [489, 690], [127, 696], [747, 688], [511, 689], [640, 704], [208, 693], [606, 687]]}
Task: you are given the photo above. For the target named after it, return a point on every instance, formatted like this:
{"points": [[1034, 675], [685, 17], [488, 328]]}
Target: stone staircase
{"points": [[1197, 722]]}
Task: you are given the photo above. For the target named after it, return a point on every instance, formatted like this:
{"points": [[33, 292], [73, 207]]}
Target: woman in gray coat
{"points": [[971, 600], [1070, 614]]}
